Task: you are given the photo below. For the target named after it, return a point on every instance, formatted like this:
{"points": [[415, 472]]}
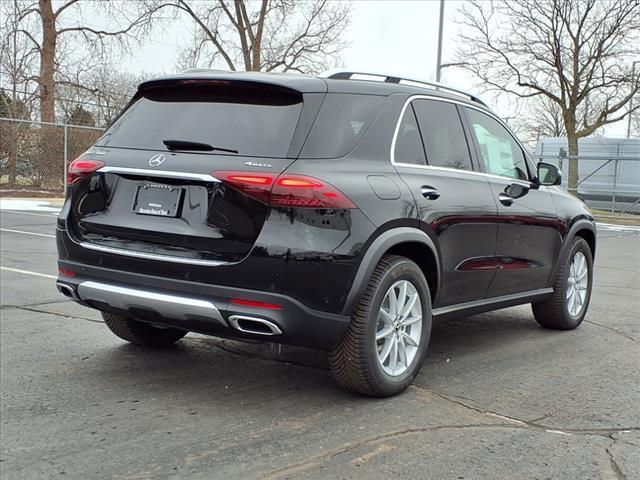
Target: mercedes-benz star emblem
{"points": [[157, 160]]}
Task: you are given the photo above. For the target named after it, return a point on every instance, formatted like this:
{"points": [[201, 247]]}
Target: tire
{"points": [[141, 333], [558, 312], [355, 362]]}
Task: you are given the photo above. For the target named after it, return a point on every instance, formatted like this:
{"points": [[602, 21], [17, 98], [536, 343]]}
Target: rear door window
{"points": [[409, 147], [341, 123], [254, 120], [442, 134]]}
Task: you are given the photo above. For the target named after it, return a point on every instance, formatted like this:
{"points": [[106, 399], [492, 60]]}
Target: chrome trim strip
{"points": [[491, 301], [152, 256], [524, 183], [275, 330], [159, 173], [170, 306], [464, 104]]}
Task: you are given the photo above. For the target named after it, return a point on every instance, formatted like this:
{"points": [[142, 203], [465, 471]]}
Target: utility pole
{"points": [[439, 61], [633, 76]]}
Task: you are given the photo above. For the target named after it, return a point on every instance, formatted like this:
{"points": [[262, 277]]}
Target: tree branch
{"points": [[182, 5], [64, 7]]}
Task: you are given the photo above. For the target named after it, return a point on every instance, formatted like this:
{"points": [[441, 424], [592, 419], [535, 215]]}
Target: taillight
{"points": [[287, 190], [81, 168], [307, 192], [257, 186]]}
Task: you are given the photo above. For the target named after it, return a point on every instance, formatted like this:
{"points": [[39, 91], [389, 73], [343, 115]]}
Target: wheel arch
{"points": [[590, 238], [424, 258], [582, 228], [405, 241]]}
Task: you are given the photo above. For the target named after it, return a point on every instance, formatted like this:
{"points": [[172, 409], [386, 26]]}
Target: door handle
{"points": [[429, 193], [505, 199]]}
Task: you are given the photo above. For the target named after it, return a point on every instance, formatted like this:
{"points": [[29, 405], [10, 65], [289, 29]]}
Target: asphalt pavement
{"points": [[497, 398]]}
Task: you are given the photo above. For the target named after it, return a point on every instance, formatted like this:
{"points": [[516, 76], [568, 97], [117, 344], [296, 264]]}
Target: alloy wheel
{"points": [[577, 284], [399, 328]]}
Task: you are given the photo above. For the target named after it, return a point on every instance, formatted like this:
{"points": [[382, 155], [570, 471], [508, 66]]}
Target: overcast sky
{"points": [[400, 37]]}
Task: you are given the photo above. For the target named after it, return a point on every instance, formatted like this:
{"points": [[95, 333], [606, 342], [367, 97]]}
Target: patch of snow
{"points": [[618, 228], [27, 205]]}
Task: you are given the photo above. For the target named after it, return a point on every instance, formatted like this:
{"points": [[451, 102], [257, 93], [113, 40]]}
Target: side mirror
{"points": [[549, 174]]}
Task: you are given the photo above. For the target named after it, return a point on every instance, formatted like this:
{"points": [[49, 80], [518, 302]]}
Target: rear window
{"points": [[342, 121], [253, 119]]}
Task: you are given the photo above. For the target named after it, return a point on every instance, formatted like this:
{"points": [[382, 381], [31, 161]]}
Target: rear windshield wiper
{"points": [[187, 145]]}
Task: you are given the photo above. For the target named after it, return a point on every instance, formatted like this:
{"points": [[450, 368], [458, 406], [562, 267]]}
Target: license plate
{"points": [[158, 199]]}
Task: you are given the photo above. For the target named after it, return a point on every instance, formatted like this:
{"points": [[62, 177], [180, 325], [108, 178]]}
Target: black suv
{"points": [[343, 212]]}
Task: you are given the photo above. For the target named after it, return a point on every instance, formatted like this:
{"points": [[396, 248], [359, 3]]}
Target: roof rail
{"points": [[338, 74]]}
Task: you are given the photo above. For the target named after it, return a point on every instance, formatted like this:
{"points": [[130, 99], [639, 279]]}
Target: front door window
{"points": [[501, 154]]}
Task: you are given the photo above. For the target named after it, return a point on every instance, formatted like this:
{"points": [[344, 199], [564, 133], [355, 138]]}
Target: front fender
{"points": [[581, 224]]}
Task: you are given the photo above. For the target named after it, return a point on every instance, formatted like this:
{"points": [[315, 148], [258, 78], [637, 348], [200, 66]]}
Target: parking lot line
{"points": [[27, 272], [27, 233]]}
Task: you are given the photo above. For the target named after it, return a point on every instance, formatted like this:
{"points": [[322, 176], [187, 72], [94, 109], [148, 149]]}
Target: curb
{"points": [[617, 220]]}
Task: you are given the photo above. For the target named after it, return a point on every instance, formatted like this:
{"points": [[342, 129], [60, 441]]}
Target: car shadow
{"points": [[468, 336], [212, 369]]}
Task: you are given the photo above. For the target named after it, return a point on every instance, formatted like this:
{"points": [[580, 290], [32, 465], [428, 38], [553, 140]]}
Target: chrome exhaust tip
{"points": [[67, 290], [256, 326]]}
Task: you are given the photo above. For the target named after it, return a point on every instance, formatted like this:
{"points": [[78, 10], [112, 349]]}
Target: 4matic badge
{"points": [[253, 164]]}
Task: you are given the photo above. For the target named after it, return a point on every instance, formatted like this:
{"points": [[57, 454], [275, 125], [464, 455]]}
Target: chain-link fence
{"points": [[34, 155], [605, 183]]}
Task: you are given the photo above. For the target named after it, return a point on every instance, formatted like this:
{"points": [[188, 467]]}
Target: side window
{"points": [[342, 121], [500, 152], [442, 134], [408, 144]]}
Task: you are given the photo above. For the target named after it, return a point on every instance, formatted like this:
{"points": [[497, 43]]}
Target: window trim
{"points": [[424, 150], [465, 123]]}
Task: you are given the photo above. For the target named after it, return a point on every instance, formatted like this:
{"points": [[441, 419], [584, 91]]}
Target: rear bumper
{"points": [[202, 308], [306, 256]]}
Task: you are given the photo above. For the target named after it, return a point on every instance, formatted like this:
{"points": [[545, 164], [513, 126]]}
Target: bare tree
{"points": [[269, 35], [546, 118], [17, 60], [67, 45], [540, 117], [634, 130], [104, 92], [575, 53]]}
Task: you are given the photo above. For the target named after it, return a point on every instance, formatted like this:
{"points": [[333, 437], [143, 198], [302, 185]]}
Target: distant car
{"points": [[330, 212]]}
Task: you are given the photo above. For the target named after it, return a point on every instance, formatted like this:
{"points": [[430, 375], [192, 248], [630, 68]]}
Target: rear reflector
{"points": [[81, 168], [255, 304], [287, 190], [66, 273]]}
